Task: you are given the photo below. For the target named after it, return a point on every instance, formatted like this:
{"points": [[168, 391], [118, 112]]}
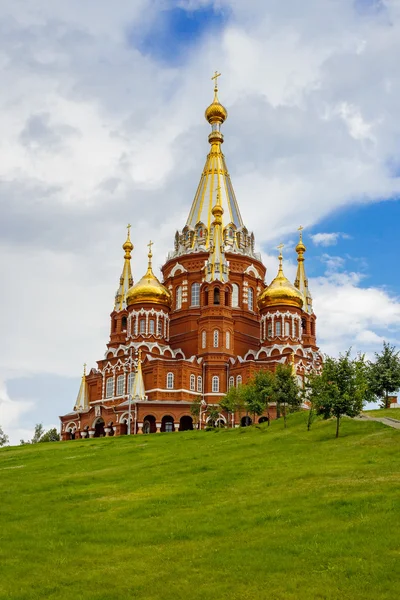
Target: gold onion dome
{"points": [[216, 113], [148, 289], [128, 246], [280, 291]]}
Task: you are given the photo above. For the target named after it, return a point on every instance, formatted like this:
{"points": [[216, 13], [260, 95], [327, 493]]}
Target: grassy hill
{"points": [[244, 514]]}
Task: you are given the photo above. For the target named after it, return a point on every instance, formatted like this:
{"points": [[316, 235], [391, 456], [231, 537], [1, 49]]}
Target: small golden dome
{"points": [[280, 291], [148, 289], [300, 248], [128, 246], [216, 113]]}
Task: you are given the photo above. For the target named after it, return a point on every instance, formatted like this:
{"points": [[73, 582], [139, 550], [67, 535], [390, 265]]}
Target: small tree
{"points": [[264, 385], [341, 388], [285, 390], [213, 416], [39, 431], [195, 409], [3, 438], [234, 401], [384, 374], [254, 401], [51, 435]]}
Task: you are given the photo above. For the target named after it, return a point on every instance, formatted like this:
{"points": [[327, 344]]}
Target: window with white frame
{"points": [[151, 326], [250, 298], [216, 338], [203, 339], [178, 303], [228, 340], [199, 383], [270, 329], [170, 381], [131, 377], [159, 326], [278, 328], [142, 326], [238, 380], [215, 383], [120, 385], [231, 381], [110, 387], [192, 383], [195, 296], [287, 328], [235, 295]]}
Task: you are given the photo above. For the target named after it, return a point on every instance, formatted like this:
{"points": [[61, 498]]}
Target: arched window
{"points": [[270, 329], [142, 326], [120, 385], [295, 328], [231, 382], [287, 328], [238, 380], [192, 383], [178, 304], [216, 295], [159, 326], [115, 325], [250, 298], [195, 298], [136, 325], [151, 326], [170, 381], [228, 340], [124, 322], [131, 377], [278, 328], [312, 327], [304, 325], [199, 383], [215, 383], [110, 387], [235, 295], [203, 339], [216, 338]]}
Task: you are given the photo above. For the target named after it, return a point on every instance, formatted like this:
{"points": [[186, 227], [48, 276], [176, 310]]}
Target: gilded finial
{"points": [[128, 246], [216, 114], [280, 257], [84, 369], [140, 355], [300, 248], [150, 254], [215, 78]]}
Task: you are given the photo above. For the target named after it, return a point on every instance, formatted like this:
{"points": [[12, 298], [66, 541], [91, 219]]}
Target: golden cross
{"points": [[215, 77], [84, 368], [280, 247], [129, 228], [150, 245], [300, 228]]}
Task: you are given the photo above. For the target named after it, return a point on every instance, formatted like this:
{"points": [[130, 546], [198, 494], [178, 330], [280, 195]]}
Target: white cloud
{"points": [[325, 239], [11, 412]]}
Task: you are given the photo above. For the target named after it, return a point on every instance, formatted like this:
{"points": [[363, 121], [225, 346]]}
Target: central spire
{"points": [[215, 175], [217, 267]]}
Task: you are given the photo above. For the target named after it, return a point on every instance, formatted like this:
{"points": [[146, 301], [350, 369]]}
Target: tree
{"points": [[285, 390], [40, 435], [3, 437], [213, 416], [195, 409], [51, 435], [253, 400], [39, 431], [341, 388], [233, 401], [384, 374], [264, 384]]}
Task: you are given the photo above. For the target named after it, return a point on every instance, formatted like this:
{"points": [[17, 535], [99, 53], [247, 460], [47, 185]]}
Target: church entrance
{"points": [[167, 423], [99, 428], [123, 429], [245, 421], [149, 424], [263, 419], [185, 423]]}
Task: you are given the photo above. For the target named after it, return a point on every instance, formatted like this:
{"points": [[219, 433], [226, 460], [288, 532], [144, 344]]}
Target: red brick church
{"points": [[210, 324]]}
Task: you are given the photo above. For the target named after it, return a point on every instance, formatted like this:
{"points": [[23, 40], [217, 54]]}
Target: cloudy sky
{"points": [[101, 121]]}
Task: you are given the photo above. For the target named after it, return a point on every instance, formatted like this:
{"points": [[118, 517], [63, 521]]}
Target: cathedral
{"points": [[209, 323]]}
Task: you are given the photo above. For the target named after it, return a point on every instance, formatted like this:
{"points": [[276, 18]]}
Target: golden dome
{"points": [[280, 291], [148, 289]]}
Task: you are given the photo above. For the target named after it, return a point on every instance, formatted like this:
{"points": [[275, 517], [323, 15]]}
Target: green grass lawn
{"points": [[243, 514], [393, 413]]}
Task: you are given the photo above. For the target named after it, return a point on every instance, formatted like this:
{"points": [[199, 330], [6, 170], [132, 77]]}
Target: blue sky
{"points": [[102, 124]]}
